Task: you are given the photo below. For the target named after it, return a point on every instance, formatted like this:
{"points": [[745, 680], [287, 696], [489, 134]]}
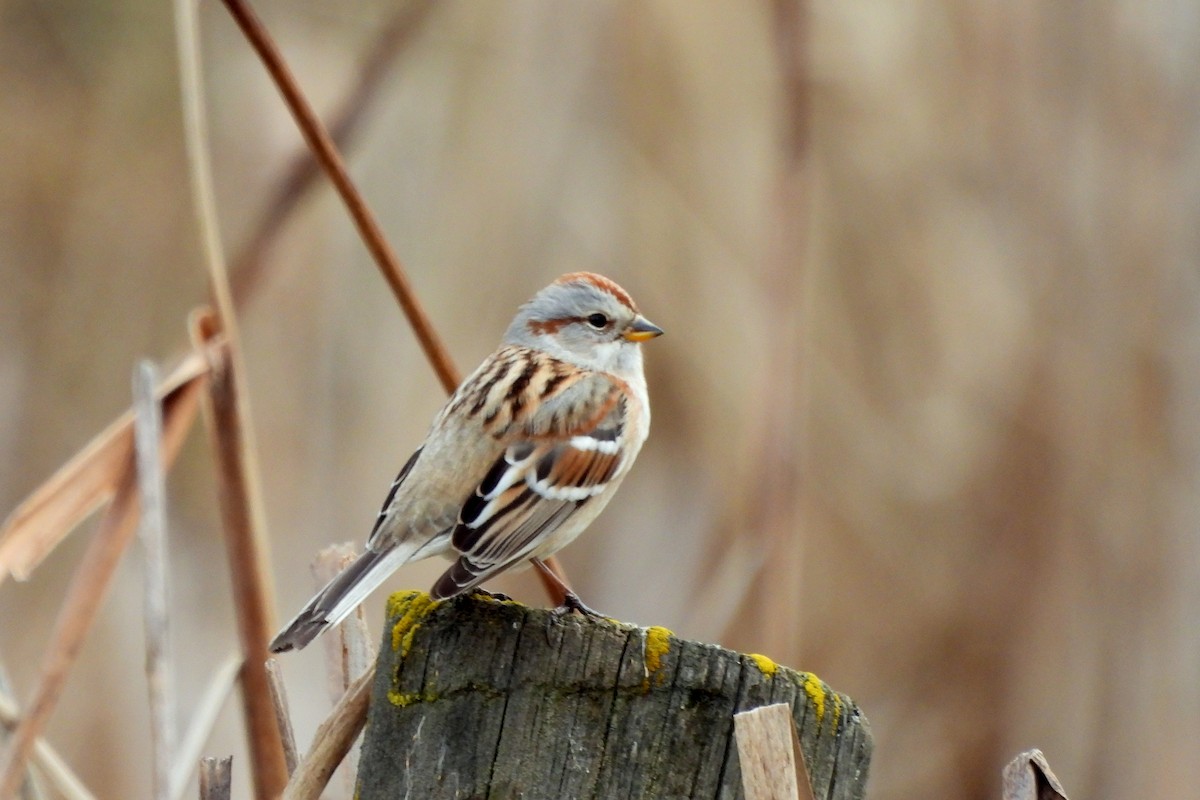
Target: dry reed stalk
{"points": [[30, 790], [348, 648], [331, 742], [90, 478], [364, 219], [216, 778], [75, 618], [349, 652], [147, 429], [283, 715], [227, 412], [48, 762], [247, 563], [319, 141], [323, 146], [220, 687], [246, 268]]}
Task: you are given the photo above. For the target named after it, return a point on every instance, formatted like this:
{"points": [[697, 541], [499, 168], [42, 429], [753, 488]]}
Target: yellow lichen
{"points": [[408, 609], [402, 699], [816, 692], [656, 645], [488, 597], [765, 665]]}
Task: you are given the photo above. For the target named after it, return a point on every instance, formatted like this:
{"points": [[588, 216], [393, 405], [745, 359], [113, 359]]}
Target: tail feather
{"points": [[341, 596], [462, 577]]}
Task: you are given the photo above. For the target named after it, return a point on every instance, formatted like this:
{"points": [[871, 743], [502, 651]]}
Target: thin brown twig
{"points": [[300, 174], [385, 257], [331, 742], [283, 715], [322, 146], [364, 219], [75, 619], [147, 429], [247, 565]]}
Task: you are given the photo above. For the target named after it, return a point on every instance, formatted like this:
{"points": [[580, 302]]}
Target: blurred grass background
{"points": [[926, 419]]}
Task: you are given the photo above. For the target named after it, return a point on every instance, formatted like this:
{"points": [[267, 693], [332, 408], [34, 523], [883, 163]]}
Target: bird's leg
{"points": [[570, 601]]}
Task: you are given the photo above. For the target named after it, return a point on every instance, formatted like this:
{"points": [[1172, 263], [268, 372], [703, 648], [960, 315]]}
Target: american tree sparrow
{"points": [[522, 457]]}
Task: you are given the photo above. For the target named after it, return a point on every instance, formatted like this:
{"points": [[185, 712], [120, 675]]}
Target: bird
{"points": [[519, 461]]}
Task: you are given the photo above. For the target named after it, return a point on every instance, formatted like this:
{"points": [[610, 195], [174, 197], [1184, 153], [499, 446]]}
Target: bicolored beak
{"points": [[642, 330]]}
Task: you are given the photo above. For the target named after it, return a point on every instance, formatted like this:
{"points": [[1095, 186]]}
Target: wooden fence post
{"points": [[476, 697]]}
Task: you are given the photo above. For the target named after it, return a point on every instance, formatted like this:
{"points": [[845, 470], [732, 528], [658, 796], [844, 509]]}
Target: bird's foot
{"points": [[572, 603]]}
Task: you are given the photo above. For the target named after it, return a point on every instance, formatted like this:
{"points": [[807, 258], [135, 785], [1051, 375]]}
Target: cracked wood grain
{"points": [[480, 698]]}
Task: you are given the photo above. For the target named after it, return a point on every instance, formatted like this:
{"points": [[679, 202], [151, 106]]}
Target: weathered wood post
{"points": [[478, 698]]}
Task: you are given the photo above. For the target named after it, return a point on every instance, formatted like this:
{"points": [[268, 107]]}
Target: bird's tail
{"points": [[341, 596]]}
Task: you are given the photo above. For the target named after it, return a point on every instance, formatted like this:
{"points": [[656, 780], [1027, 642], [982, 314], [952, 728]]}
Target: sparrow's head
{"points": [[586, 319]]}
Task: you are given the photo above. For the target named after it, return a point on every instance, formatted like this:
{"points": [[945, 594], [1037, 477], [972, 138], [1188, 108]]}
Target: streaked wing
{"points": [[386, 508], [537, 484]]}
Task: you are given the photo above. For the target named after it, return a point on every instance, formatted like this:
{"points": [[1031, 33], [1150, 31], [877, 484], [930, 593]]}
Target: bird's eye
{"points": [[598, 321]]}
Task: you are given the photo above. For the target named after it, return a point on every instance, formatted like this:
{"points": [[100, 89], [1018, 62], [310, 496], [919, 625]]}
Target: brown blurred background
{"points": [[926, 419]]}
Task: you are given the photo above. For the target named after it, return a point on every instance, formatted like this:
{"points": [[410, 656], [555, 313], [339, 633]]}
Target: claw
{"points": [[572, 603]]}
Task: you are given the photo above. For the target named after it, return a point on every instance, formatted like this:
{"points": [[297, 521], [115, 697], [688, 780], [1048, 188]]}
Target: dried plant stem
{"points": [[385, 258], [220, 686], [147, 430], [331, 742], [247, 565], [89, 479], [75, 618], [228, 415], [45, 758], [247, 266], [364, 219], [348, 649], [216, 778], [8, 719], [283, 715]]}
